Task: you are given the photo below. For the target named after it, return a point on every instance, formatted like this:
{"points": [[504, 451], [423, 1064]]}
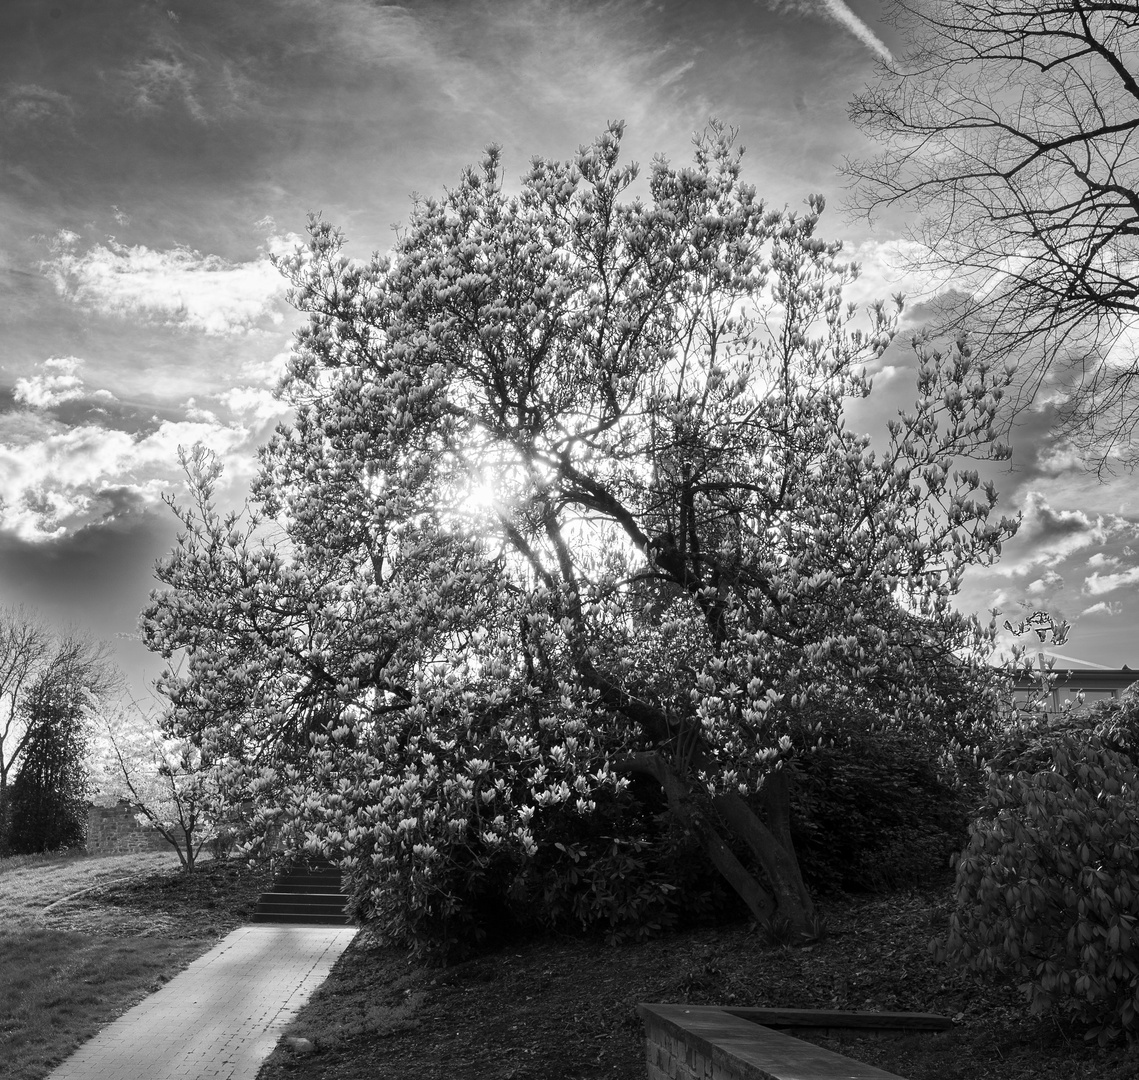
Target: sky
{"points": [[153, 155]]}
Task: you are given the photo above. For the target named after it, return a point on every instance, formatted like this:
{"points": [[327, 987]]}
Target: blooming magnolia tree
{"points": [[569, 499]]}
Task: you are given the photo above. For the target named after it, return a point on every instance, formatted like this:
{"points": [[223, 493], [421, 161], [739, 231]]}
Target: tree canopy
{"points": [[1009, 129], [42, 671], [568, 499], [46, 678]]}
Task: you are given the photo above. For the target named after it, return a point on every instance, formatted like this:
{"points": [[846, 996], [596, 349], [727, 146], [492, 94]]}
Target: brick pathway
{"points": [[221, 1016]]}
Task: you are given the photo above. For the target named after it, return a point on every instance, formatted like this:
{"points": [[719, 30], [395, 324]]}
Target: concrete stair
{"points": [[305, 895]]}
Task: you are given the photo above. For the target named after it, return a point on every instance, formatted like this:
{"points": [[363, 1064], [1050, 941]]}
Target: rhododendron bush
{"points": [[569, 501], [1048, 884]]}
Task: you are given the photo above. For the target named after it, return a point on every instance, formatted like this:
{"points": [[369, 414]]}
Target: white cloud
{"points": [[892, 266], [1047, 535], [1045, 584], [253, 403], [267, 371], [1098, 584], [1099, 559], [1103, 608], [53, 484], [57, 383], [1059, 457], [199, 415], [178, 286], [49, 483]]}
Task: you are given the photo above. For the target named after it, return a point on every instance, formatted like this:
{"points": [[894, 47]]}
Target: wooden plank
{"points": [[840, 1018]]}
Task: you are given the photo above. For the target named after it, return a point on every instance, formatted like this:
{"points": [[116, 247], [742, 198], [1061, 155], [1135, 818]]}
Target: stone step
{"points": [[300, 902], [305, 895], [302, 919], [308, 883]]}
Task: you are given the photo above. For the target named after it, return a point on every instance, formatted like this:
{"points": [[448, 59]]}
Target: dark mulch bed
{"points": [[566, 1009]]}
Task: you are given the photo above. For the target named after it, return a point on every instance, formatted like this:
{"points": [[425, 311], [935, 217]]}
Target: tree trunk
{"points": [[788, 903], [771, 846]]}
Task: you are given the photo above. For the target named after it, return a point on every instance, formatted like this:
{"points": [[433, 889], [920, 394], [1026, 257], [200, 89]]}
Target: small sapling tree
{"points": [[176, 785]]}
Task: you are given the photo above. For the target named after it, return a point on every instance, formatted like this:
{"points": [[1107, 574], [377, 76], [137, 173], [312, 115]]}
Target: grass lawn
{"points": [[565, 1009], [83, 939]]}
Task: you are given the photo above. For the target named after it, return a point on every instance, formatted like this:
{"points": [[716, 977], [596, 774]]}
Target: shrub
{"points": [[1028, 745], [1048, 885], [876, 814], [1117, 722], [627, 871], [610, 886], [620, 869], [5, 823]]}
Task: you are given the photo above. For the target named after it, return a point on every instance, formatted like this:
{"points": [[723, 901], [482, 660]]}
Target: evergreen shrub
{"points": [[46, 802], [627, 871], [1047, 888], [877, 813]]}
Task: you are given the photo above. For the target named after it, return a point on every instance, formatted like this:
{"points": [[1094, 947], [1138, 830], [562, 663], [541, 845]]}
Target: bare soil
{"points": [[566, 1009]]}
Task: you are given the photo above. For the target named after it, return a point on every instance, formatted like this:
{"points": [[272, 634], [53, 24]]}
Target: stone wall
{"points": [[113, 830], [670, 1058], [703, 1042]]}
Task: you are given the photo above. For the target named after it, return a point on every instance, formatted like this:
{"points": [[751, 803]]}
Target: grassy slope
{"points": [[114, 930]]}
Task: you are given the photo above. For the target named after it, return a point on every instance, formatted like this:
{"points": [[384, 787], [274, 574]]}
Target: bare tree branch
{"points": [[1012, 129]]}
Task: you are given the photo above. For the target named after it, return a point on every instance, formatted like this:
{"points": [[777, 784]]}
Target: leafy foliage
{"points": [[877, 813], [42, 671], [1048, 885], [569, 500], [47, 799]]}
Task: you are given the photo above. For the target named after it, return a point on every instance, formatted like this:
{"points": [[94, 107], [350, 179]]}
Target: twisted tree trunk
{"points": [[785, 902]]}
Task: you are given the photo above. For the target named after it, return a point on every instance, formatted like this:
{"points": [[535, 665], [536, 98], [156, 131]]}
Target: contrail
{"points": [[841, 13]]}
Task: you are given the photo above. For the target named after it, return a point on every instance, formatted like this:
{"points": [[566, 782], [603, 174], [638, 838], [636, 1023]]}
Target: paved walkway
{"points": [[221, 1016]]}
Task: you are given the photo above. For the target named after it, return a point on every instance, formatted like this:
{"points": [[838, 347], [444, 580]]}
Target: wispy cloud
{"points": [[178, 72], [1104, 607], [840, 13], [156, 83], [177, 286], [34, 106]]}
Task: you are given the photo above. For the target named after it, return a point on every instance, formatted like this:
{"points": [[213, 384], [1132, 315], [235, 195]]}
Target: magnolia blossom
{"points": [[681, 565]]}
